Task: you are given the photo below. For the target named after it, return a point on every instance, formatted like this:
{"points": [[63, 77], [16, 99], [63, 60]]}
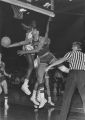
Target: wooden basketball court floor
{"points": [[21, 108]]}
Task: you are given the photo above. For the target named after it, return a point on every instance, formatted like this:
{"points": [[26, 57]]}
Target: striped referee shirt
{"points": [[76, 60]]}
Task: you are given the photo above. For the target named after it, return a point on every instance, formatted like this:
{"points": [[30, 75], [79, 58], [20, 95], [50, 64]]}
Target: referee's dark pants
{"points": [[76, 79]]}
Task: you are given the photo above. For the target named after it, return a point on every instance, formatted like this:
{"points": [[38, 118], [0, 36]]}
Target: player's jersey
{"points": [[44, 50], [28, 47], [2, 67], [44, 54]]}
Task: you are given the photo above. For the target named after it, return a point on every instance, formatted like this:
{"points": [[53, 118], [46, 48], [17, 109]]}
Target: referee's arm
{"points": [[61, 60]]}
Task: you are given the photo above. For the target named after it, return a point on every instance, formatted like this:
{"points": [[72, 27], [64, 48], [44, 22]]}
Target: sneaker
{"points": [[35, 106], [42, 103], [51, 103], [25, 89], [34, 101]]}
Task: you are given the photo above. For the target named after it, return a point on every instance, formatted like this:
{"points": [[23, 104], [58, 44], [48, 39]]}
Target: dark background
{"points": [[67, 26]]}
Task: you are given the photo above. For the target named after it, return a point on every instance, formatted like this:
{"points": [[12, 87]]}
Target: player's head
{"points": [[35, 34]]}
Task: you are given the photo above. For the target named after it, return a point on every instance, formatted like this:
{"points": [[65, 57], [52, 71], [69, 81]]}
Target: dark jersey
{"points": [[44, 54], [44, 50]]}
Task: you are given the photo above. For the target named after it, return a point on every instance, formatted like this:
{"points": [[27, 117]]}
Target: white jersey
{"points": [[28, 47]]}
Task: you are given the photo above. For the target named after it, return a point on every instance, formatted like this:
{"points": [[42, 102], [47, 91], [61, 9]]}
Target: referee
{"points": [[75, 79]]}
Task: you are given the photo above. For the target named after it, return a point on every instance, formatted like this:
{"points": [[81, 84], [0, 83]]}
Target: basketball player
{"points": [[3, 82], [28, 44], [45, 57]]}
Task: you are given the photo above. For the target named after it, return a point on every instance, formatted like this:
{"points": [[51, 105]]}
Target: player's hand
{"points": [[9, 76], [48, 68], [20, 52]]}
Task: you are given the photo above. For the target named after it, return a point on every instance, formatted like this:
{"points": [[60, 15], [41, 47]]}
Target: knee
{"points": [[5, 88], [0, 90]]}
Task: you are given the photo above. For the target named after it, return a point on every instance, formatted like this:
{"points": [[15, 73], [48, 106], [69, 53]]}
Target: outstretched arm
{"points": [[19, 43], [56, 63], [39, 47], [22, 52]]}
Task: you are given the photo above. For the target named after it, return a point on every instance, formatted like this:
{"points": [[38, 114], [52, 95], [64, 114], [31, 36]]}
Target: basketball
{"points": [[5, 41]]}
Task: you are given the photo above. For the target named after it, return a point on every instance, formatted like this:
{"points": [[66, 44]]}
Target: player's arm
{"points": [[6, 74], [22, 52], [57, 62], [19, 43], [39, 47]]}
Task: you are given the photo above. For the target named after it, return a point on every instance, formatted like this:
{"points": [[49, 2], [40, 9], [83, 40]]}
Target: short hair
{"points": [[78, 44]]}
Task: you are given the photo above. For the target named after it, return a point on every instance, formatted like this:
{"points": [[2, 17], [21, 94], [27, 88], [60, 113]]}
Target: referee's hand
{"points": [[48, 68]]}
